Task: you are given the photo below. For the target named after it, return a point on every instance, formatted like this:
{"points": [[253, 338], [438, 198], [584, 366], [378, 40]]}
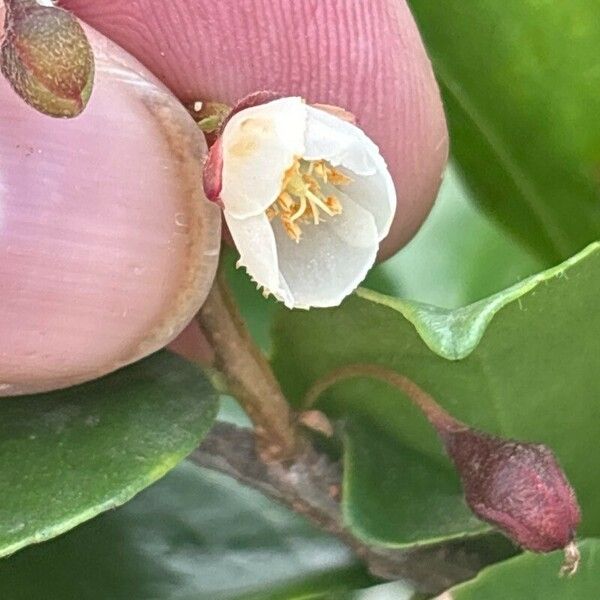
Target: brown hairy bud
{"points": [[47, 58]]}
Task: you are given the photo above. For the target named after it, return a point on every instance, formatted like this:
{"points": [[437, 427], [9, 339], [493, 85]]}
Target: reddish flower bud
{"points": [[47, 58], [518, 487]]}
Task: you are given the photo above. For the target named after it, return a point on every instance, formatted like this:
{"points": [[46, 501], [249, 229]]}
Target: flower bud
{"points": [[518, 487], [47, 58]]}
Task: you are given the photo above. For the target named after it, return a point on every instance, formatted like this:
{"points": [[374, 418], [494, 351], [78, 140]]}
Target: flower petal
{"points": [[254, 240], [342, 143], [377, 194], [259, 146], [330, 261], [339, 142]]}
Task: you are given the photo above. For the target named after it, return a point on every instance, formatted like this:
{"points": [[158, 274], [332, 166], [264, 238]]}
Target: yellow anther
{"points": [[302, 199]]}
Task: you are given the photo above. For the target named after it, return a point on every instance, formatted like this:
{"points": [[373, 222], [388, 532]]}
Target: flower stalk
{"points": [[248, 375]]}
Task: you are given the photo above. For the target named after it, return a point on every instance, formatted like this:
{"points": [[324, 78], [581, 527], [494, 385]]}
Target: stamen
{"points": [[312, 197], [291, 229], [315, 212], [301, 209], [334, 205], [286, 201], [301, 199]]}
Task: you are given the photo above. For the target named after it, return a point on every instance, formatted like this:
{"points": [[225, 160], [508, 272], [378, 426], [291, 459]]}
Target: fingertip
{"points": [[367, 57], [107, 244]]}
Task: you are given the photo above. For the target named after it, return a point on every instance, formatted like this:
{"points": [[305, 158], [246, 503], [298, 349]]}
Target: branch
{"points": [[310, 485]]}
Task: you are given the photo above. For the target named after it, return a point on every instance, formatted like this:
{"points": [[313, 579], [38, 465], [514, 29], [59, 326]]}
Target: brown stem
{"points": [[310, 485], [248, 374], [440, 419]]}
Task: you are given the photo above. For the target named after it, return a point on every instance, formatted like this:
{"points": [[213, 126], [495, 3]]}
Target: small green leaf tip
{"points": [[47, 57]]}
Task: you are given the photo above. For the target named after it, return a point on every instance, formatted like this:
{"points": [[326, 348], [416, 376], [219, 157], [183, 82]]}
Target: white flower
{"points": [[307, 198]]}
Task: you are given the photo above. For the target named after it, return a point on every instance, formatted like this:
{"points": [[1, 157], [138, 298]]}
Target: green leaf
{"points": [[419, 513], [195, 534], [522, 364], [520, 83], [68, 455], [535, 577]]}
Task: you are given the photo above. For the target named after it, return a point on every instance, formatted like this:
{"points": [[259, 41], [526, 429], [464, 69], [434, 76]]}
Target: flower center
{"points": [[302, 198]]}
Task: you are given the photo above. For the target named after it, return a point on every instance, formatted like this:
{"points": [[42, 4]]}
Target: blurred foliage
{"points": [[195, 534], [520, 82], [459, 255], [65, 456]]}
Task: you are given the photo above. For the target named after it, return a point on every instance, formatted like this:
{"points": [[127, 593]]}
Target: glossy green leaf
{"points": [[523, 363], [418, 512], [194, 535], [520, 81], [535, 577], [68, 455]]}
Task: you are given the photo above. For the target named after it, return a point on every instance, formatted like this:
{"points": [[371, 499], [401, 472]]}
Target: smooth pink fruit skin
{"points": [[363, 55], [107, 244]]}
